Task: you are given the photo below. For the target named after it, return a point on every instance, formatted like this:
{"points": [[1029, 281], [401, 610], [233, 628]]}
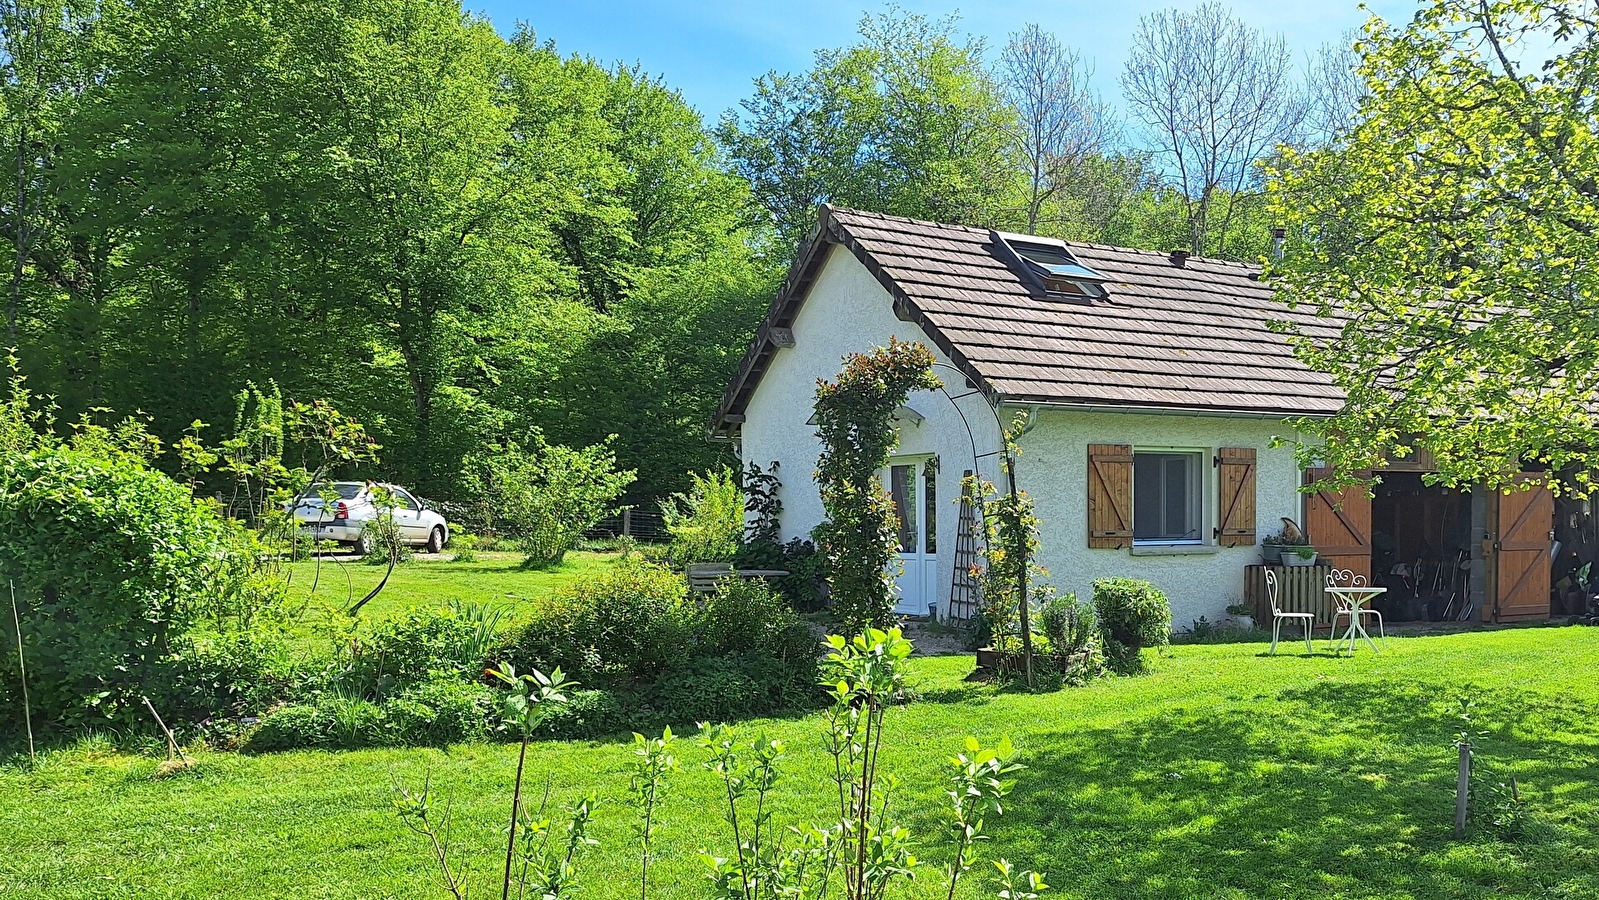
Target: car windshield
{"points": [[347, 490]]}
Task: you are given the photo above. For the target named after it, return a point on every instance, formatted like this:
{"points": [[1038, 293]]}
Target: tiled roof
{"points": [[1185, 335]]}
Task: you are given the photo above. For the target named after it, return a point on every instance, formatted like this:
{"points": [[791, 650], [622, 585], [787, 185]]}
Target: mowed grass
{"points": [[1221, 774], [324, 588]]}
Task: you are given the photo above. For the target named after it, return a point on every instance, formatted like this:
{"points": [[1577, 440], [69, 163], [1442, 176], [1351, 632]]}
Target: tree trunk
{"points": [[22, 236]]}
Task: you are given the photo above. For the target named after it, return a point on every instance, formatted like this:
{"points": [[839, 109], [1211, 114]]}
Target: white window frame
{"points": [[1204, 511]]}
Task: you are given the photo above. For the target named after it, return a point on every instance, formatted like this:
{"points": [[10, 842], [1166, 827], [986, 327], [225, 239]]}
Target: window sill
{"points": [[1175, 550]]}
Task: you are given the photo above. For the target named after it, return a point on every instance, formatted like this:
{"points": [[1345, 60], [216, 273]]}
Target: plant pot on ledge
{"points": [[1294, 556]]}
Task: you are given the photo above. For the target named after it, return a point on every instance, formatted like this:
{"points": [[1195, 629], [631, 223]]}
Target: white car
{"points": [[344, 517]]}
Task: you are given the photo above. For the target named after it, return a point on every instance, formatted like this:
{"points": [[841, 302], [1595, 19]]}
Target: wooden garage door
{"points": [[1339, 525], [1521, 554]]}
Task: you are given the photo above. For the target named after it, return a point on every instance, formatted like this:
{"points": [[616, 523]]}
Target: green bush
{"points": [[1132, 615], [632, 619], [709, 689], [330, 723], [1068, 623], [805, 584], [440, 711], [544, 498], [707, 522], [412, 649], [221, 675], [747, 617], [587, 714], [111, 563]]}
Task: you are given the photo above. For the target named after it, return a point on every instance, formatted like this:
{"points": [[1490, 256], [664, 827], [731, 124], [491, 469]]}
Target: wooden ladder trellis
{"points": [[963, 591]]}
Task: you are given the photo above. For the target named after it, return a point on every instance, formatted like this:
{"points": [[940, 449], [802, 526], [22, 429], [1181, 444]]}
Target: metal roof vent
{"points": [[1049, 268]]}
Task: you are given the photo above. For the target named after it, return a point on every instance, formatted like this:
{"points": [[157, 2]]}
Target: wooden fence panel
{"points": [[1301, 589]]}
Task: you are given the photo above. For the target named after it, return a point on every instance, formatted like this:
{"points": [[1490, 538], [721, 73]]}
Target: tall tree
{"points": [[1062, 128], [1450, 237], [1214, 97], [1333, 89], [43, 56], [906, 121]]}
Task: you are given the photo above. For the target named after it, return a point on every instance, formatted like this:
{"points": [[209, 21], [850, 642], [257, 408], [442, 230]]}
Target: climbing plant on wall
{"points": [[855, 422]]}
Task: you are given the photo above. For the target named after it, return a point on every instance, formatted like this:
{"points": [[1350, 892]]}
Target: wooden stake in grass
{"points": [[176, 759], [22, 669], [1463, 789]]}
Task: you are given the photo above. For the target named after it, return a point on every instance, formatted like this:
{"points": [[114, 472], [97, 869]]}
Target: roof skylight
{"points": [[1051, 268]]}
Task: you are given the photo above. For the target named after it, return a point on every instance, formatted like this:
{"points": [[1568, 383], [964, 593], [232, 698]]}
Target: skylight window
{"points": [[1050, 269]]}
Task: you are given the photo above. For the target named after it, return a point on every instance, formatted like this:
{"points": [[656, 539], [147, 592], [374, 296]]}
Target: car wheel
{"points": [[363, 544], [435, 540]]}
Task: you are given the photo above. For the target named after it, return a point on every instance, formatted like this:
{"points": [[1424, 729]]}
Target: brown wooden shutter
{"points": [[1235, 510], [1110, 496]]}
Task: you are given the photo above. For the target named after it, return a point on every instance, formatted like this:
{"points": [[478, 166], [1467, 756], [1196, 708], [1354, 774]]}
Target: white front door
{"points": [[913, 484]]}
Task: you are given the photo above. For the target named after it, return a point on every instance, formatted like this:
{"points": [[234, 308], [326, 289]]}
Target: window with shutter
{"points": [[1110, 496], [1235, 507]]}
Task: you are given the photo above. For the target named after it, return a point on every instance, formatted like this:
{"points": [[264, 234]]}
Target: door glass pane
{"points": [[930, 503], [902, 487]]}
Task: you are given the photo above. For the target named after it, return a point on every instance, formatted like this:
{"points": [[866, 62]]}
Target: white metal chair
{"points": [[1343, 607], [1278, 615]]}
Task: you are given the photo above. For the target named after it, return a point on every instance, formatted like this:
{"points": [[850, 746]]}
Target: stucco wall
{"points": [[1054, 470], [848, 311]]}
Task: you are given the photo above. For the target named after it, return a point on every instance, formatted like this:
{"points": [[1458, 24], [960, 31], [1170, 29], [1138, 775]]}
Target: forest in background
{"points": [[459, 237]]}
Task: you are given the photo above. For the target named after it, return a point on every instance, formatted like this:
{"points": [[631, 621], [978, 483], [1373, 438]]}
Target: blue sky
{"points": [[712, 51]]}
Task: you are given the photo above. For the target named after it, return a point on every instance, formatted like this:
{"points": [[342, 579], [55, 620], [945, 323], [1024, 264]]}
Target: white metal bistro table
{"points": [[1355, 597]]}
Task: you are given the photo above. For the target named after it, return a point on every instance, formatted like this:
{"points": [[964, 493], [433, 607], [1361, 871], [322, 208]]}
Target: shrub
{"points": [[465, 546], [747, 617], [332, 723], [586, 714], [805, 584], [707, 522], [222, 674], [111, 564], [440, 711], [710, 689], [544, 498], [1132, 615], [411, 649], [632, 619], [1068, 623]]}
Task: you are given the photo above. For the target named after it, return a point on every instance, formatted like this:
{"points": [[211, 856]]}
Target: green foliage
{"points": [[1132, 615], [855, 416], [906, 121], [805, 584], [411, 649], [707, 522], [1069, 624], [867, 848], [465, 546], [632, 633], [587, 714], [111, 564], [439, 711], [1451, 234], [544, 497], [745, 616], [633, 618]]}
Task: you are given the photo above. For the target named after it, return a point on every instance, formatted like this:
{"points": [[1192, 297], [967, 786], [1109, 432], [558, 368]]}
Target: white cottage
{"points": [[1154, 388]]}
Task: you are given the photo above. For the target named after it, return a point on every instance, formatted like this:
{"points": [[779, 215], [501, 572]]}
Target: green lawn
{"points": [[1222, 773], [328, 586]]}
